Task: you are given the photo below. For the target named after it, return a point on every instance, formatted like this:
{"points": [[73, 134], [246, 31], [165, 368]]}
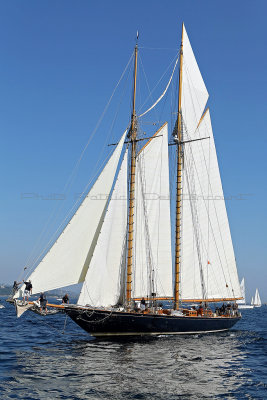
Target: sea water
{"points": [[39, 361]]}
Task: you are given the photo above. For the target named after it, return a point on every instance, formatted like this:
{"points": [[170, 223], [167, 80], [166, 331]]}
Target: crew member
{"points": [[28, 290], [65, 299], [43, 302]]}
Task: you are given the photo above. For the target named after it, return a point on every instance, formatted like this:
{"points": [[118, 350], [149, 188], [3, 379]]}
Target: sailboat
{"points": [[119, 245], [256, 301], [242, 303]]}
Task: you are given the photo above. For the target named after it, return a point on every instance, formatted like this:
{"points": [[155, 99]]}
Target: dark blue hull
{"points": [[116, 323]]}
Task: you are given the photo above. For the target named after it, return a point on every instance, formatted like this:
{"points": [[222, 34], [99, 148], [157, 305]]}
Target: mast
{"points": [[179, 184], [133, 133]]}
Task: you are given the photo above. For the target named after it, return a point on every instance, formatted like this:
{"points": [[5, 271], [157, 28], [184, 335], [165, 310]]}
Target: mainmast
{"points": [[133, 133], [179, 185]]}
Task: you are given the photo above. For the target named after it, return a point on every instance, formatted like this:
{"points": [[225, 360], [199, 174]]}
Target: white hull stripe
{"points": [[157, 333]]}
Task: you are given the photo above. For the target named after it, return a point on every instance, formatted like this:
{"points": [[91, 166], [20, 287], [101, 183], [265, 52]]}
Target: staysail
{"points": [[152, 225], [208, 269], [102, 283], [67, 261]]}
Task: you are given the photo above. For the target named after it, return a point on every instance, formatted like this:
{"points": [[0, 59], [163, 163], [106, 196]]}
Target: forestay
{"points": [[102, 283], [67, 261], [208, 268], [152, 226]]}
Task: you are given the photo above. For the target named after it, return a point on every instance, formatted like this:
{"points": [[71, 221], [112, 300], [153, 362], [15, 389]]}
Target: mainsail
{"points": [[67, 261], [208, 262], [257, 300], [243, 292], [193, 90], [102, 283], [152, 225]]}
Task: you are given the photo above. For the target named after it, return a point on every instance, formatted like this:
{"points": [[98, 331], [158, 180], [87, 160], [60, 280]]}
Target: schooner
{"points": [[120, 245]]}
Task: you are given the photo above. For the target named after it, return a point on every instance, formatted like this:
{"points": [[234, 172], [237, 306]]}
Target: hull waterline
{"points": [[115, 323]]}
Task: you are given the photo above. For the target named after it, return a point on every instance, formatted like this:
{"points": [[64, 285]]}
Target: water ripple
{"points": [[38, 362]]}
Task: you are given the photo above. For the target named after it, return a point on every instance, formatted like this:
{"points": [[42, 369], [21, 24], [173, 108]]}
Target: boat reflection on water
{"points": [[190, 367]]}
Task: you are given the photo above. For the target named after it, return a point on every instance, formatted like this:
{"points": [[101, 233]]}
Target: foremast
{"points": [[178, 230], [133, 134]]}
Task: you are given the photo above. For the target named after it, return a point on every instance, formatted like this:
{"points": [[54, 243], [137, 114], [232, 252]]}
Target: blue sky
{"points": [[60, 61]]}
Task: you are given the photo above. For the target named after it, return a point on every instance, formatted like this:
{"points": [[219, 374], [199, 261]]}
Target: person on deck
{"points": [[15, 287], [229, 309], [43, 302], [65, 299], [223, 308], [200, 310], [28, 290], [143, 304]]}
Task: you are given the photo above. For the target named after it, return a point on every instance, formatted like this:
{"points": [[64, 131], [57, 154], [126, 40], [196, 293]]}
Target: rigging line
{"points": [[190, 88], [149, 91], [122, 271], [190, 169], [150, 270], [103, 113], [215, 208], [107, 270], [192, 172], [164, 92], [159, 208], [197, 131], [162, 76], [70, 213], [208, 224], [195, 221], [66, 220], [71, 177], [195, 168], [158, 48], [119, 105], [50, 325], [87, 291]]}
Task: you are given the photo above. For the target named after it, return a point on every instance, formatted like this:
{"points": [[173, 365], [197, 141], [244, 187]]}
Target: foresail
{"points": [[102, 283], [67, 261], [152, 227], [208, 267], [194, 92]]}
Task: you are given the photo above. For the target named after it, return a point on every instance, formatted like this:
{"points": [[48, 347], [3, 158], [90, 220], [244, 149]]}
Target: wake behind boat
{"points": [[119, 245]]}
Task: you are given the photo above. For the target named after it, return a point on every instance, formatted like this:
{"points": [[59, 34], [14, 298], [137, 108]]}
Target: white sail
{"points": [[152, 226], [252, 301], [257, 299], [67, 261], [102, 283], [243, 292], [208, 267], [194, 92]]}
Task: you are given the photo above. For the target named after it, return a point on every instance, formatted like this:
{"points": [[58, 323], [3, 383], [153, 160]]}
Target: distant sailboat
{"points": [[242, 303], [257, 299], [119, 246]]}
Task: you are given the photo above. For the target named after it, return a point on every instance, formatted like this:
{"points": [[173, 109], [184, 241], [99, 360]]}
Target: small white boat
{"points": [[242, 303], [257, 300]]}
